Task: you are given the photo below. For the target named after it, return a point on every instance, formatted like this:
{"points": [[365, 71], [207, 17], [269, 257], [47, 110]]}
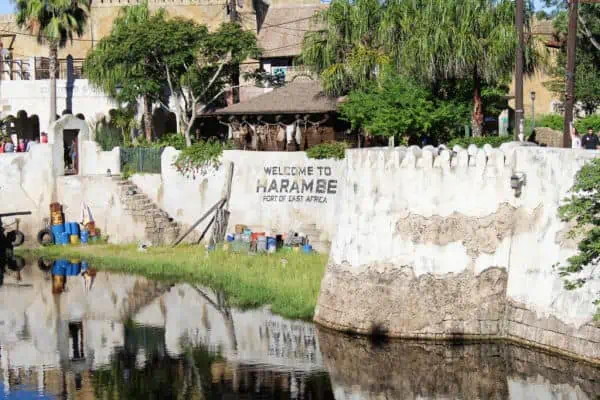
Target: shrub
{"points": [[200, 156], [108, 136], [552, 121], [591, 121], [333, 150], [494, 141], [176, 140]]}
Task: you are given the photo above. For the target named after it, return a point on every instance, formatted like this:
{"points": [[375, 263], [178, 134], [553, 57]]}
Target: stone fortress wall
{"points": [[439, 246]]}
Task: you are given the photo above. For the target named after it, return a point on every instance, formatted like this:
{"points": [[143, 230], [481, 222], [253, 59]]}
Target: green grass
{"points": [[248, 280]]}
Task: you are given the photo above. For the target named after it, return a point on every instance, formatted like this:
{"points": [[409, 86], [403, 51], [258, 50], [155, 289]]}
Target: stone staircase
{"points": [[161, 229]]}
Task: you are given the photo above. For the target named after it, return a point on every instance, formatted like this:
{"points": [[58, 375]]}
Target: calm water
{"points": [[113, 336]]}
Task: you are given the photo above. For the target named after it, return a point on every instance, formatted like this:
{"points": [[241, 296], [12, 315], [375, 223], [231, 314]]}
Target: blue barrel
{"points": [[74, 228], [271, 244], [56, 231], [63, 239], [68, 228], [230, 237], [73, 270], [60, 267], [307, 248], [84, 266], [84, 236]]}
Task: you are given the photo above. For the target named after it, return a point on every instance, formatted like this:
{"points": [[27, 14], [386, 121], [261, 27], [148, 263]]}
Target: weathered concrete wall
{"points": [[94, 161], [26, 184], [440, 247], [103, 196], [272, 191]]}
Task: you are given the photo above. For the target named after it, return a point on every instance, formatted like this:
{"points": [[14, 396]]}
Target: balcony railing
{"points": [[38, 68]]}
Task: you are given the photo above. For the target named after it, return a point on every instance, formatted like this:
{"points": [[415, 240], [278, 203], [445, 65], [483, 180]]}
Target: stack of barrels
{"points": [[69, 232]]}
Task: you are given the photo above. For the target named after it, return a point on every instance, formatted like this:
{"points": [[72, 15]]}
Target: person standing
{"points": [[590, 141], [575, 138], [9, 147]]}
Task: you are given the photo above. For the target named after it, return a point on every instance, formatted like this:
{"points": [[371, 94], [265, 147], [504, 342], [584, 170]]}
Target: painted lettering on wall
{"points": [[297, 184]]}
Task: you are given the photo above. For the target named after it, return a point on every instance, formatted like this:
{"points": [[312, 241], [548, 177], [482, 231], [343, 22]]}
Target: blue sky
{"points": [[6, 6]]}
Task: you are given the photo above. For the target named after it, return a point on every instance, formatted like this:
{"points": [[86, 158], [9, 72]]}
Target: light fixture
{"points": [[532, 94], [119, 89], [108, 173]]}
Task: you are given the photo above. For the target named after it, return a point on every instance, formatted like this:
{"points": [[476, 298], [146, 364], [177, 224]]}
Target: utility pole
{"points": [[519, 68], [570, 75]]}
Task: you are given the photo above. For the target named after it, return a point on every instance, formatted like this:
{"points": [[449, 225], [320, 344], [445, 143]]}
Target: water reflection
{"points": [[360, 369], [67, 331]]}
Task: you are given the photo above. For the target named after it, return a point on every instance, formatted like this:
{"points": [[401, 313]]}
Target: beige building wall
{"points": [[103, 13]]}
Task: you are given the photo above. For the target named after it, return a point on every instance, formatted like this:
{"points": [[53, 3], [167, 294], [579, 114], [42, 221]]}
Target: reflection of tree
{"points": [[222, 307]]}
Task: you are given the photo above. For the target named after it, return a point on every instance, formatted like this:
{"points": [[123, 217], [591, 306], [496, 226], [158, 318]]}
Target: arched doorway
{"points": [[66, 135]]}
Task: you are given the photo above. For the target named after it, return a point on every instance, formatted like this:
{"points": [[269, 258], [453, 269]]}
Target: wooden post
{"points": [[222, 213]]}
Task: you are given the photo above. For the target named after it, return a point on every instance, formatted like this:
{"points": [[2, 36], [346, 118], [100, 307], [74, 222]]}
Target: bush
{"points": [[176, 140], [333, 150], [494, 141], [592, 121], [552, 121], [108, 136], [200, 156]]}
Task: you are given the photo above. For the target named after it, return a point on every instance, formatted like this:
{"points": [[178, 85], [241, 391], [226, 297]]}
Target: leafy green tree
{"points": [[436, 40], [176, 57], [587, 76], [123, 74], [54, 22], [399, 107], [199, 74], [583, 209]]}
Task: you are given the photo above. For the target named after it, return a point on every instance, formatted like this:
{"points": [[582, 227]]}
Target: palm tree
{"points": [[346, 50], [54, 22], [472, 40]]}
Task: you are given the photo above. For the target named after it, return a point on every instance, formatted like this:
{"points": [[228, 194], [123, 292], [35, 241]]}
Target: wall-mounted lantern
{"points": [[108, 173], [517, 181]]}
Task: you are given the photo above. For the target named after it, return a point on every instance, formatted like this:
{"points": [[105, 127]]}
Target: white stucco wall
{"points": [[101, 194], [33, 97], [26, 184], [253, 201], [393, 196], [94, 161]]}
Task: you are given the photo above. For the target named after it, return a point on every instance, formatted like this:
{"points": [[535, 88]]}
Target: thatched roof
{"points": [[302, 97], [283, 30]]}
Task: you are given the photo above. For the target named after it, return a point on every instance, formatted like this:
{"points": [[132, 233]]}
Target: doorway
{"points": [[71, 153]]}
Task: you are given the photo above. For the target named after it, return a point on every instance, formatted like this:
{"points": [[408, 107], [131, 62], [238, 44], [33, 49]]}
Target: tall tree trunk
{"points": [[52, 71], [148, 118], [477, 117]]}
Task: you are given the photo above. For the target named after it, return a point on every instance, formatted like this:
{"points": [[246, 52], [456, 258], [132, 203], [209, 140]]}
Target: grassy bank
{"points": [[291, 287]]}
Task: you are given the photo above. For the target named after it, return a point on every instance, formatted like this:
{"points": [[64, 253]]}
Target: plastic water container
{"points": [[74, 239], [63, 239], [307, 248], [74, 228], [230, 237], [84, 236], [68, 228], [56, 231], [261, 244], [271, 244]]}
